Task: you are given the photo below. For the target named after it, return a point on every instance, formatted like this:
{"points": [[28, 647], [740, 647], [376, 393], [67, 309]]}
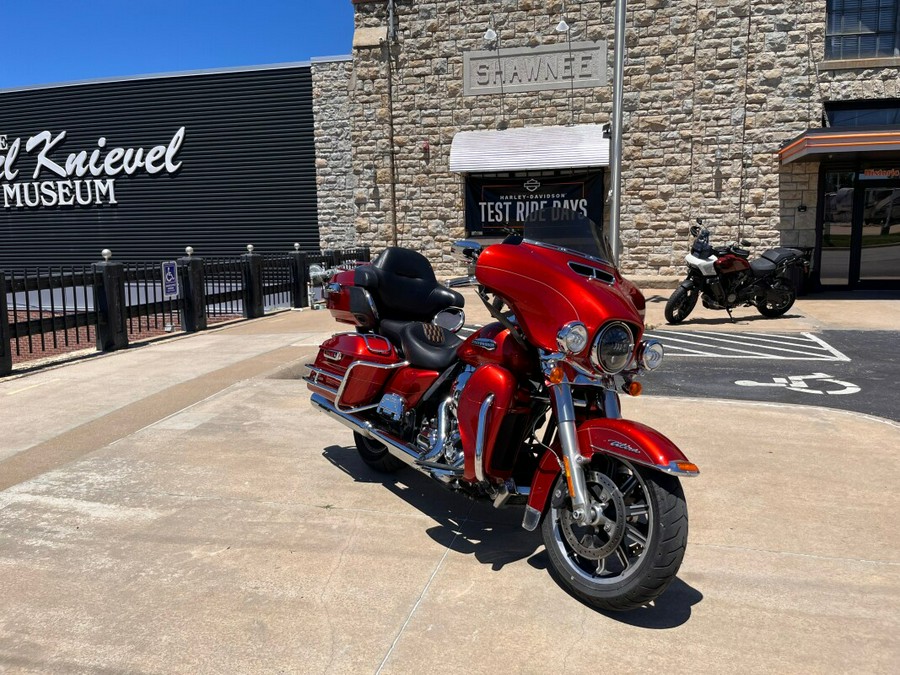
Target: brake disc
{"points": [[595, 542]]}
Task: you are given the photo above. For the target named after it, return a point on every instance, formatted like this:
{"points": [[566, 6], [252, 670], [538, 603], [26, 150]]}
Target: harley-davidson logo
{"points": [[531, 184], [485, 343]]}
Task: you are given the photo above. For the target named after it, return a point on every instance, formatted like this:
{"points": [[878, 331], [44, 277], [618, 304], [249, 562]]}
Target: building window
{"points": [[862, 29], [867, 113]]}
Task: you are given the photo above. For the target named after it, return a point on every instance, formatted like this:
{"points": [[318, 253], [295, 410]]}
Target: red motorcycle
{"points": [[525, 410]]}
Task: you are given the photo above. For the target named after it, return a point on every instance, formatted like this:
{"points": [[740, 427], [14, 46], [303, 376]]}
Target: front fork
{"points": [[584, 511]]}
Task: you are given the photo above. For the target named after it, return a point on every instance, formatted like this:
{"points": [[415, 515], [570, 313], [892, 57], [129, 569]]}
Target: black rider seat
{"points": [[428, 346], [761, 267], [779, 255], [403, 286]]}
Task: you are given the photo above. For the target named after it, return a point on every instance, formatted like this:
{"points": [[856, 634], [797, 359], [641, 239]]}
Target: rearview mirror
{"points": [[467, 248]]}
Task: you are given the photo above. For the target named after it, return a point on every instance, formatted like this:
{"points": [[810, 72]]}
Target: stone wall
{"points": [[712, 89], [335, 180]]}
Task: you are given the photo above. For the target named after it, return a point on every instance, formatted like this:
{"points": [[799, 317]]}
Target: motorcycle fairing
{"points": [[485, 401], [706, 266], [547, 288], [628, 440]]}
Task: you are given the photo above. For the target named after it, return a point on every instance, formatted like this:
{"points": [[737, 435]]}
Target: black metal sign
{"points": [[496, 205]]}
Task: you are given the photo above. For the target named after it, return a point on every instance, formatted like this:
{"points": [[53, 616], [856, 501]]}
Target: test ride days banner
{"points": [[496, 205]]}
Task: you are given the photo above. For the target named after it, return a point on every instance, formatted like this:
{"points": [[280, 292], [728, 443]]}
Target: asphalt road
{"points": [[848, 370]]}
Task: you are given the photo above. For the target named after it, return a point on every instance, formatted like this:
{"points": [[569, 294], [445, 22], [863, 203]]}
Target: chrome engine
{"points": [[438, 438], [437, 448]]}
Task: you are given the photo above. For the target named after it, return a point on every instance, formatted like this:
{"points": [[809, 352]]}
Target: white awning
{"points": [[529, 148]]}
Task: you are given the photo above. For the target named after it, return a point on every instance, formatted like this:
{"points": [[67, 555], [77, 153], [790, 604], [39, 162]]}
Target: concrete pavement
{"points": [[179, 507]]}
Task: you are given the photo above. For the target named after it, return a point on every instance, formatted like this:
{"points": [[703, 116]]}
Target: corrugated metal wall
{"points": [[247, 167]]}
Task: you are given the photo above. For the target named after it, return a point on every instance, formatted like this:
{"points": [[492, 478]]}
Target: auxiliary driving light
{"points": [[651, 354], [572, 338]]}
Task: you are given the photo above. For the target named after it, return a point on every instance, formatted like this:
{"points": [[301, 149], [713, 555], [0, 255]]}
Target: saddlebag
{"points": [[351, 369]]}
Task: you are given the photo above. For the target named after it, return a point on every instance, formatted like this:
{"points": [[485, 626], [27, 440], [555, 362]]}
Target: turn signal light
{"points": [[556, 375], [569, 477], [634, 388], [687, 467]]}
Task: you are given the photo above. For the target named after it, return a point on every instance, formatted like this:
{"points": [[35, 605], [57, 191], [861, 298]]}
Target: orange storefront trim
{"points": [[840, 140]]}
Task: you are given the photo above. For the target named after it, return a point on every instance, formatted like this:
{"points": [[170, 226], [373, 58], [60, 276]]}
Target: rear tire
{"points": [[773, 309], [632, 558], [376, 455], [681, 304]]}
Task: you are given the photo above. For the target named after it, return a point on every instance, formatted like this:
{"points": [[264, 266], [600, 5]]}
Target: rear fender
{"points": [[624, 439]]}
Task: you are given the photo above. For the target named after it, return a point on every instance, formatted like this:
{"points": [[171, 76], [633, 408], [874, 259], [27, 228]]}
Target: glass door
{"points": [[860, 230], [880, 240], [837, 225]]}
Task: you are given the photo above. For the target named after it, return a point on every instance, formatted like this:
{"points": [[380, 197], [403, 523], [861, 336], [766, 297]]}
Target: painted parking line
{"points": [[775, 346]]}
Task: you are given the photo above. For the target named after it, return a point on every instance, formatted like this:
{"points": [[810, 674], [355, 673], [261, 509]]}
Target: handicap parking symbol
{"points": [[169, 280], [817, 383]]}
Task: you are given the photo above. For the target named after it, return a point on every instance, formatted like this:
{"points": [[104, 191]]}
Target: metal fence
{"points": [[106, 305], [224, 288], [277, 278], [148, 311], [48, 311]]}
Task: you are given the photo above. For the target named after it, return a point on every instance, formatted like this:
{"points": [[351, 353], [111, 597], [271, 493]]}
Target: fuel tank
{"points": [[493, 345], [728, 264]]}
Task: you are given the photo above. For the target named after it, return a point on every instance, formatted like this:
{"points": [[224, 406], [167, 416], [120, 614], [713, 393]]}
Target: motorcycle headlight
{"points": [[613, 348], [651, 354], [572, 338]]}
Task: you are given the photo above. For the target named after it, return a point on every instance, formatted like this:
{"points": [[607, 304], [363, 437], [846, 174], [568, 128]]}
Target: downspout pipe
{"points": [[616, 141], [392, 35]]}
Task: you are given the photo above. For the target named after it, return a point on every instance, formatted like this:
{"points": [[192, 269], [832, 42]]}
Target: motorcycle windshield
{"points": [[569, 230]]}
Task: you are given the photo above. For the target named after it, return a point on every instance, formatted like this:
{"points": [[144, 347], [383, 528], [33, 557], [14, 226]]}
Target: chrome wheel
{"points": [[633, 552]]}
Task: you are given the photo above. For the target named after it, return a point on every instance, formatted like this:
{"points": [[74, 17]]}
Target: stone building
{"points": [[778, 122]]}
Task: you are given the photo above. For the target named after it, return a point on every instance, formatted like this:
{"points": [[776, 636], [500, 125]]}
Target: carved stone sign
{"points": [[577, 65]]}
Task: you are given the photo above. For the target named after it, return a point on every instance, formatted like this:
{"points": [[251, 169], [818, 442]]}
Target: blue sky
{"points": [[50, 41]]}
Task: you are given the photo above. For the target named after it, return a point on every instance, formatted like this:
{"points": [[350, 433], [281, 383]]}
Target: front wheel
{"points": [[632, 555], [681, 303], [777, 300]]}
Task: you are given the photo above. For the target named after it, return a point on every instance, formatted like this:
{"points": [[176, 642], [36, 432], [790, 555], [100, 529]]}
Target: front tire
{"points": [[376, 455], [629, 560], [681, 303]]}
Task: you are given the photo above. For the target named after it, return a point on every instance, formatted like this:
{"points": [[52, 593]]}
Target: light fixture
{"points": [[562, 26], [490, 34]]}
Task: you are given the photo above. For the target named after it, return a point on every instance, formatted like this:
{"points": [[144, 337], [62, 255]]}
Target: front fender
{"points": [[631, 441]]}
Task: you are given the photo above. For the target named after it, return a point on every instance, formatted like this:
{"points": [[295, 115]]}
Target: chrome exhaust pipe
{"points": [[405, 453]]}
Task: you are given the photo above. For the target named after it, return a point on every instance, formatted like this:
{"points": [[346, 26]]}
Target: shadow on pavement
{"points": [[718, 321], [670, 610], [495, 537]]}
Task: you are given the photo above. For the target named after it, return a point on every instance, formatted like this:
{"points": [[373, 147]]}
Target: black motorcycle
{"points": [[725, 278]]}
